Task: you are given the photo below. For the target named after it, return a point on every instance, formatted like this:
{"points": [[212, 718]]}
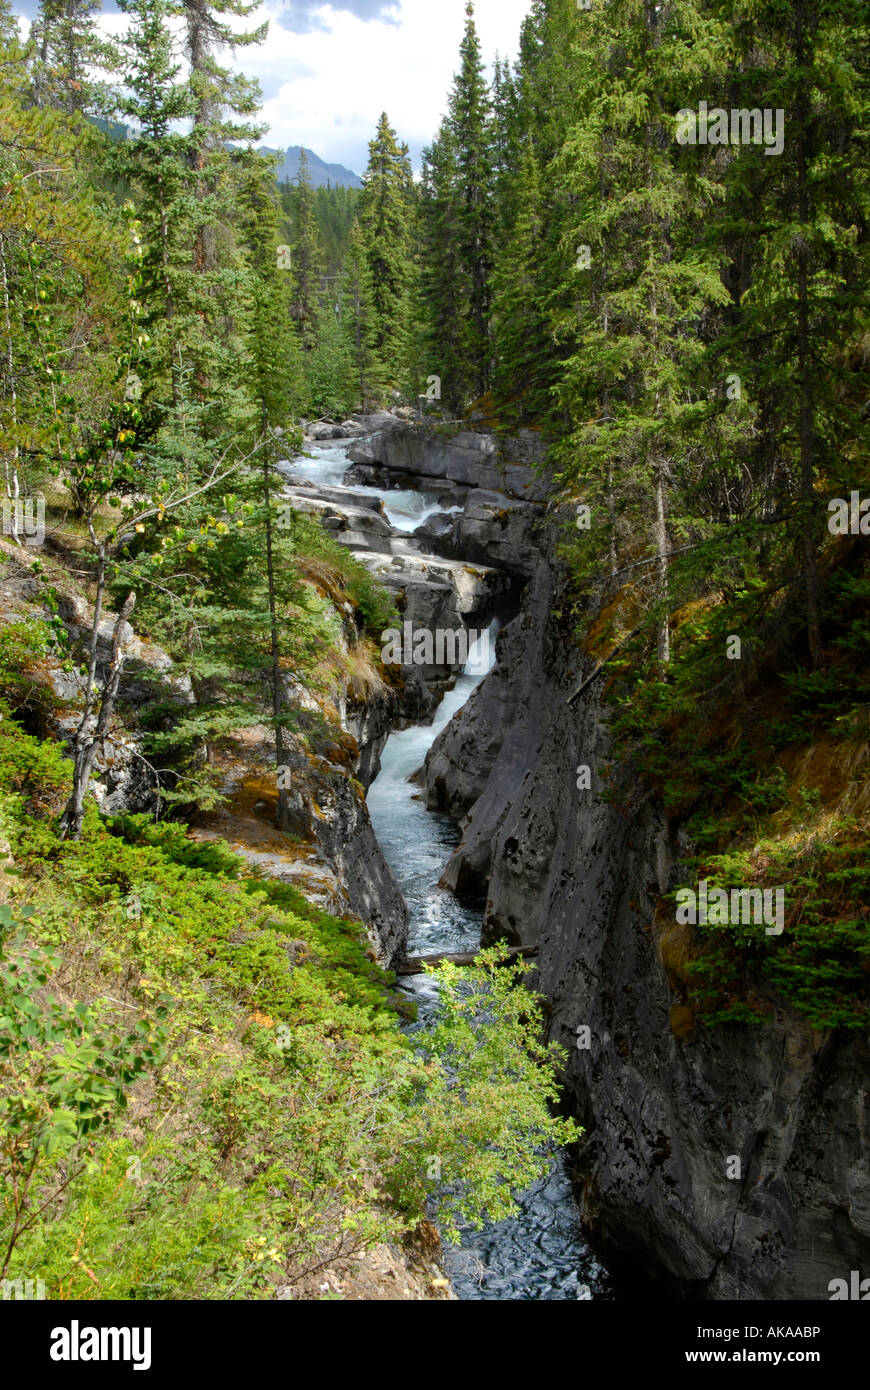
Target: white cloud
{"points": [[356, 69], [326, 82]]}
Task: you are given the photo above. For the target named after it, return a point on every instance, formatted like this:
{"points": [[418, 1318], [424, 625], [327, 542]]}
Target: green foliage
{"points": [[307, 266], [33, 771], [374, 602], [456, 251], [819, 966], [484, 1127], [335, 210], [61, 1075], [330, 374], [23, 646], [359, 321], [281, 1118], [385, 212]]}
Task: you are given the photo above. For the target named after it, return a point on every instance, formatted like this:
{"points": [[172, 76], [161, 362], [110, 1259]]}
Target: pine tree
{"points": [[68, 46], [650, 282], [360, 323], [384, 219], [458, 234], [470, 115], [219, 98], [520, 322], [534, 108], [790, 228], [8, 26], [443, 282], [156, 160], [307, 260], [330, 369], [223, 104]]}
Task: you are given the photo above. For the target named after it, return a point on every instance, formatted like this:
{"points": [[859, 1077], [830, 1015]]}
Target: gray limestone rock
{"points": [[668, 1108]]}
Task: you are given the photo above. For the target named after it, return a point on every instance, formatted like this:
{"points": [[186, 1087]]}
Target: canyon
{"points": [[717, 1163]]}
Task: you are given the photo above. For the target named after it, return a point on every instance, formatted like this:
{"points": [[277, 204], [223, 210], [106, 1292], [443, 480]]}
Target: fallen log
{"points": [[414, 965]]}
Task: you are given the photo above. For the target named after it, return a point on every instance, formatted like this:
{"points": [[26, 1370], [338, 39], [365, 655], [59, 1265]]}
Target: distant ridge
{"points": [[318, 172]]}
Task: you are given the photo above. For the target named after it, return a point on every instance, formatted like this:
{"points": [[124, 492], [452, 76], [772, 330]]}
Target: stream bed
{"points": [[542, 1252]]}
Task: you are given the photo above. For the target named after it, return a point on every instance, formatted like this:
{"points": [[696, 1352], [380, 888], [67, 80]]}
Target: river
{"points": [[541, 1253]]}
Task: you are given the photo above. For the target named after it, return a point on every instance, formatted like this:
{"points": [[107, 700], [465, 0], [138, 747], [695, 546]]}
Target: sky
{"points": [[328, 70]]}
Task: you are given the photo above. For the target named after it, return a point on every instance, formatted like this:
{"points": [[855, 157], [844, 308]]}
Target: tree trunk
{"points": [[806, 422], [84, 744], [283, 817], [12, 487], [660, 533]]}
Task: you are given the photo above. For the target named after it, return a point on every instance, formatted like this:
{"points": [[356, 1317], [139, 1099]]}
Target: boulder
{"points": [[493, 529]]}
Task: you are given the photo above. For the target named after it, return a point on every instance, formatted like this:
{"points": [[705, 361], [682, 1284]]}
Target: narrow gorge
{"points": [[435, 671], [521, 855]]}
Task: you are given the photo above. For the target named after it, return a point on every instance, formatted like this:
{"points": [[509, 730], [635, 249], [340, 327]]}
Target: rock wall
{"points": [[667, 1106], [433, 587], [474, 459]]}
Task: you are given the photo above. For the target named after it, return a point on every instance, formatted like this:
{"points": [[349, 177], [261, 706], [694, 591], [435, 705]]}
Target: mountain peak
{"points": [[319, 173]]}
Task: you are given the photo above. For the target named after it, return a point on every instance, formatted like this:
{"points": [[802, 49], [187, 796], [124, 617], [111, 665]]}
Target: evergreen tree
{"points": [[8, 26], [360, 322], [67, 47], [223, 104], [650, 282], [521, 326], [790, 229], [220, 98], [155, 159], [273, 358], [66, 330], [470, 115], [443, 281], [330, 368], [535, 107], [307, 259], [458, 234], [384, 218]]}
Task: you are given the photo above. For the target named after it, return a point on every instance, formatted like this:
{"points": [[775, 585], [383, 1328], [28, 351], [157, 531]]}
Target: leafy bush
{"points": [[61, 1076], [278, 1118]]}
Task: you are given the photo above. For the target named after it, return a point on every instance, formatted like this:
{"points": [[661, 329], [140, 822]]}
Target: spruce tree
{"points": [[223, 104], [360, 322], [307, 264], [443, 284], [470, 116], [650, 282], [220, 97], [330, 369], [535, 107], [155, 160], [521, 327], [68, 47], [384, 220], [790, 227]]}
